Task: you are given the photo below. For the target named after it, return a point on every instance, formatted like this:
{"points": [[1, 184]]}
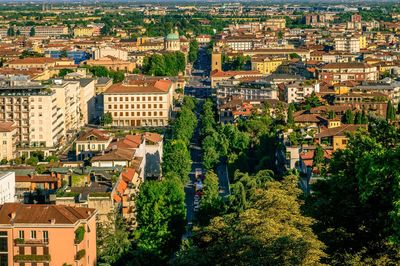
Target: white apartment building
{"points": [[100, 52], [143, 101], [7, 187], [347, 44], [297, 91], [45, 117]]}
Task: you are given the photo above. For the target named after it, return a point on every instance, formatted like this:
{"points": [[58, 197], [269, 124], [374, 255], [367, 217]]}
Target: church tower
{"points": [[216, 59]]}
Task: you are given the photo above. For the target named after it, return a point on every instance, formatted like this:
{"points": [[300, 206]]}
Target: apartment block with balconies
{"points": [[47, 235]]}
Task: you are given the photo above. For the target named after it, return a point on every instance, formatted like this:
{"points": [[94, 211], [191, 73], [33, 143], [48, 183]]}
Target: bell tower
{"points": [[216, 59]]}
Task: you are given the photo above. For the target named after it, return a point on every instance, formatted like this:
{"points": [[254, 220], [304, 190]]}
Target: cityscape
{"points": [[199, 133]]}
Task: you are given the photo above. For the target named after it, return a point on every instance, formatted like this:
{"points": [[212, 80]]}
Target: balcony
{"points": [[31, 242], [32, 258]]}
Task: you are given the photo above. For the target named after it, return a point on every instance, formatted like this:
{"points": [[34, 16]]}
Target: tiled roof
{"points": [[221, 74], [153, 137], [100, 135], [140, 86], [33, 60], [6, 126], [42, 214], [338, 131], [35, 178]]}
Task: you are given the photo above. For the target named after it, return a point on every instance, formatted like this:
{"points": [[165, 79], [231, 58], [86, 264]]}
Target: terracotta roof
{"points": [[122, 185], [6, 126], [116, 155], [128, 174], [339, 131], [100, 135], [221, 74], [117, 198], [307, 118], [35, 178], [346, 65], [33, 60], [153, 137], [43, 214], [141, 86]]}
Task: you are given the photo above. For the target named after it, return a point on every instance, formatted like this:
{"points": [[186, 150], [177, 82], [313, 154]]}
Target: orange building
{"points": [[47, 235]]}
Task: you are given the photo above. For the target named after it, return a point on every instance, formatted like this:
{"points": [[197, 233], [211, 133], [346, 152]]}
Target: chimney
{"points": [[53, 221], [13, 214]]}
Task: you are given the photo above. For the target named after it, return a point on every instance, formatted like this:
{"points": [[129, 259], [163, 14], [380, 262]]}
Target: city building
{"points": [[141, 101], [333, 73], [83, 31], [7, 187], [172, 41], [348, 44], [216, 59], [267, 64], [115, 52], [47, 235], [50, 31], [296, 92], [91, 142], [8, 145]]}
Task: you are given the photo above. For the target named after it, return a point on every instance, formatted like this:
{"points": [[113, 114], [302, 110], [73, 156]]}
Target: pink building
{"points": [[47, 235]]}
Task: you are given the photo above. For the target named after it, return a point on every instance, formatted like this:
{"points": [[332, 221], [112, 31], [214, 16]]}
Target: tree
{"points": [[348, 117], [32, 161], [106, 119], [356, 206], [32, 32], [193, 51], [364, 117], [290, 119], [40, 168], [358, 119], [113, 240], [161, 217], [11, 31], [312, 101], [390, 112], [176, 159], [294, 56], [319, 157], [63, 72], [211, 203], [272, 229]]}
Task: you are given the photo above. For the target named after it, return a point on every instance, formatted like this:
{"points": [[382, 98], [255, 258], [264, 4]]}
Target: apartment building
{"points": [[117, 52], [92, 142], [7, 187], [333, 73], [36, 115], [112, 63], [217, 76], [297, 91], [83, 32], [347, 44], [50, 31], [241, 43], [257, 89], [141, 101], [7, 141], [267, 64], [32, 234]]}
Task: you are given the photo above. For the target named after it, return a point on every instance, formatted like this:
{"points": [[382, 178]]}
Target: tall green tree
{"points": [[176, 159], [390, 112]]}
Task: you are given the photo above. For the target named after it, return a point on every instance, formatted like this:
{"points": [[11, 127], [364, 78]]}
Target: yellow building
{"points": [[336, 136], [216, 59], [363, 42], [83, 32], [266, 64]]}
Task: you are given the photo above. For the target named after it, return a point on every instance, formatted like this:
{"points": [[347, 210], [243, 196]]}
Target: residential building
{"points": [[257, 89], [50, 31], [83, 31], [267, 64], [333, 73], [296, 92], [47, 235], [26, 184], [116, 52], [336, 137], [112, 63], [348, 44], [141, 101], [7, 187], [203, 39], [91, 142], [218, 76], [8, 143]]}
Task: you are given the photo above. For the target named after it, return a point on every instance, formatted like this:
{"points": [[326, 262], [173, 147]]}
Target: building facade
{"points": [[47, 235]]}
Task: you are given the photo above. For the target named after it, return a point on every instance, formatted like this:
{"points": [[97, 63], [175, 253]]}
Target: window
{"points": [[121, 98], [126, 99], [33, 234], [46, 236], [110, 99], [21, 234]]}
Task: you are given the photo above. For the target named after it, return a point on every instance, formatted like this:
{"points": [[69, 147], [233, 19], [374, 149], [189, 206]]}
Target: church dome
{"points": [[172, 37]]}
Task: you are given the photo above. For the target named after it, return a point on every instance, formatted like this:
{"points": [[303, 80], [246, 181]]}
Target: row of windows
{"points": [[138, 114], [45, 234], [81, 147], [121, 106], [138, 99]]}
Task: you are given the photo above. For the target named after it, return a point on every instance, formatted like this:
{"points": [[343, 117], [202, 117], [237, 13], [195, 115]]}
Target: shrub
{"points": [[33, 258], [80, 254], [79, 234]]}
